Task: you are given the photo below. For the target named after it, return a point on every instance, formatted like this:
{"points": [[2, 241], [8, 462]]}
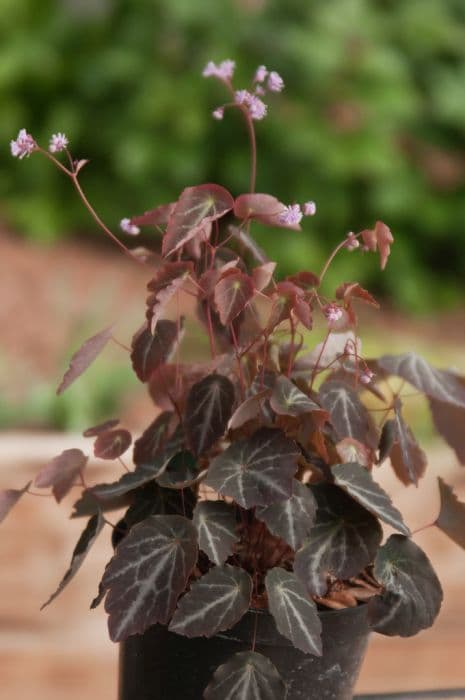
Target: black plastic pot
{"points": [[161, 665]]}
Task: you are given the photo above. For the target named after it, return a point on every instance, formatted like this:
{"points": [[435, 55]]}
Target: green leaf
{"points": [[294, 612], [217, 528], [246, 676], [451, 518], [343, 541], [255, 471], [412, 593], [358, 483], [215, 602], [292, 519], [147, 574]]}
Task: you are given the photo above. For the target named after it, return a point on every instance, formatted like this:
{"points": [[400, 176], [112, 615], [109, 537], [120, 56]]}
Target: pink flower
{"points": [[257, 108], [23, 146], [351, 242], [260, 74], [333, 312], [58, 143], [291, 215], [275, 82], [242, 97], [126, 226], [260, 91], [366, 376], [309, 209], [218, 113], [224, 71]]}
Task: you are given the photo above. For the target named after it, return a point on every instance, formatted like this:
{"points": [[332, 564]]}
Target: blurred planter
{"points": [[161, 665]]}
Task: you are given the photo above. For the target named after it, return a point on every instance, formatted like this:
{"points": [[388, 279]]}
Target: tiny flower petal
{"points": [[351, 243], [291, 215], [260, 74], [210, 70], [366, 376], [333, 312], [242, 97], [58, 143], [275, 82], [126, 226], [224, 71], [309, 209], [260, 91], [23, 146], [257, 108], [218, 113]]}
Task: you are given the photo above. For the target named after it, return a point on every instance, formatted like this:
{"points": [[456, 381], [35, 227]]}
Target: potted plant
{"points": [[250, 562]]}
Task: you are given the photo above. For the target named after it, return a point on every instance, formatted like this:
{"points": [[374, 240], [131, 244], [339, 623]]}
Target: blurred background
{"points": [[371, 126]]}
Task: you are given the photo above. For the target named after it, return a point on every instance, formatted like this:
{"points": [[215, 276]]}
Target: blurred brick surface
{"points": [[63, 651]]}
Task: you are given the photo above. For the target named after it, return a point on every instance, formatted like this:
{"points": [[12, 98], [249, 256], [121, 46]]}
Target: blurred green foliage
{"points": [[371, 124]]}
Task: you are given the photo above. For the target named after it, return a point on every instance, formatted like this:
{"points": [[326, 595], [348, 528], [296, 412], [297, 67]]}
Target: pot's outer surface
{"points": [[161, 665]]}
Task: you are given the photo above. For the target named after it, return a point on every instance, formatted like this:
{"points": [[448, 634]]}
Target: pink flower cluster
{"points": [[351, 241], [263, 80], [292, 214], [23, 146], [131, 229], [333, 313], [58, 143]]}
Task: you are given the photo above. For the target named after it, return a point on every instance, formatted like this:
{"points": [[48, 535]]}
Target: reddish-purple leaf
{"points": [[232, 292], [154, 217], [352, 290], [449, 421], [208, 409], [263, 275], [248, 244], [214, 603], [196, 206], [149, 351], [150, 443], [61, 472], [387, 440], [349, 416], [438, 384], [83, 358], [256, 471], [292, 519], [304, 279], [247, 674], [451, 518], [303, 313], [147, 574], [112, 444], [407, 458], [169, 279], [248, 410], [85, 542], [181, 471], [217, 529], [101, 428], [263, 208], [379, 238], [351, 450], [9, 498], [287, 400]]}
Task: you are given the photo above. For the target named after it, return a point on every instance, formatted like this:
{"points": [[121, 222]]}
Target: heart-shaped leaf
{"points": [[263, 208], [149, 351], [208, 409], [438, 384], [294, 612], [291, 520], [451, 518], [349, 416], [147, 447], [246, 675], [232, 293], [85, 542], [61, 472], [449, 421], [154, 217], [217, 528], [9, 498], [196, 206], [83, 358], [248, 410], [343, 541], [359, 484], [148, 572], [255, 471], [101, 428], [262, 275], [287, 400], [412, 593], [215, 602], [407, 458], [112, 444]]}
